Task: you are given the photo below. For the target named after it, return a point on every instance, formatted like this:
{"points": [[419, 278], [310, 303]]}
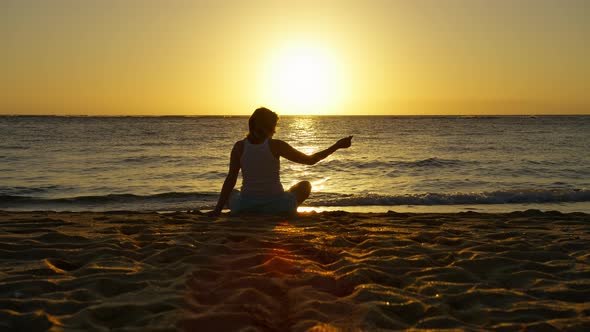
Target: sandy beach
{"points": [[331, 271]]}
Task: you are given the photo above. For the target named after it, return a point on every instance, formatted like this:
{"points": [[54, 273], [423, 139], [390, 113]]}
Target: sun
{"points": [[303, 79]]}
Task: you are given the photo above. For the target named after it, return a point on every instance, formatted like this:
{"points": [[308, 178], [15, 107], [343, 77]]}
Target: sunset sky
{"points": [[296, 57]]}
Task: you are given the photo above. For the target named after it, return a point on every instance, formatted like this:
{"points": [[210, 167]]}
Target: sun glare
{"points": [[303, 79]]}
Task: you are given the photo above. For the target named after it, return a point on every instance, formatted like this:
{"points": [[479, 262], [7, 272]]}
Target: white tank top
{"points": [[260, 170]]}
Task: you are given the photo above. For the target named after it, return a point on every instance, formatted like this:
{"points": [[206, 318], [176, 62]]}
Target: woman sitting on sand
{"points": [[258, 157]]}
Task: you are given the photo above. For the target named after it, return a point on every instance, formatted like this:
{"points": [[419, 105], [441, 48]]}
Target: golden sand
{"points": [[331, 271]]}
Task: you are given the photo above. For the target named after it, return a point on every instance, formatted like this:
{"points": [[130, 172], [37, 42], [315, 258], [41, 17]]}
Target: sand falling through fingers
{"points": [[326, 271]]}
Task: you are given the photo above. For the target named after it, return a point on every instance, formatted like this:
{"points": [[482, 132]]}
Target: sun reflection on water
{"points": [[319, 185], [306, 133]]}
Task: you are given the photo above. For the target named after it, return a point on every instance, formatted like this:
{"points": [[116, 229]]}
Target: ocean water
{"points": [[395, 163]]}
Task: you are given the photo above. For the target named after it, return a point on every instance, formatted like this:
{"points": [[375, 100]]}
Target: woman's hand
{"points": [[344, 143]]}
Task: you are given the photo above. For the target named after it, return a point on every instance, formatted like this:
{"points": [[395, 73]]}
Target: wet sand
{"points": [[331, 271]]}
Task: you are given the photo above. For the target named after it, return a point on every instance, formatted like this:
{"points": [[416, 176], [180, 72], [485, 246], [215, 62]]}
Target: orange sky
{"points": [[296, 57]]}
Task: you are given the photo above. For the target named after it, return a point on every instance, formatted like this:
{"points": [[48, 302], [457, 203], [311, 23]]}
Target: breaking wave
{"points": [[194, 200]]}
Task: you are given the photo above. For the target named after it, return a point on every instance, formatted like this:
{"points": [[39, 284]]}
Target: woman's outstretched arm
{"points": [[230, 180], [287, 151]]}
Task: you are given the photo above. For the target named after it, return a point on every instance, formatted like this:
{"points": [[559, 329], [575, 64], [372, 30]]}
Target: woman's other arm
{"points": [[287, 151], [230, 180]]}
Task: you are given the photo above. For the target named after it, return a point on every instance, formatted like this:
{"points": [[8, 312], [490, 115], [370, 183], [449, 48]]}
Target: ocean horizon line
{"points": [[291, 115]]}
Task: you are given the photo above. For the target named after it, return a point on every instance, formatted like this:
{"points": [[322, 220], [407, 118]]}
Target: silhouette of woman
{"points": [[258, 157]]}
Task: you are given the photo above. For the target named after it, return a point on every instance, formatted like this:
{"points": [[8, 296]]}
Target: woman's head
{"points": [[262, 124]]}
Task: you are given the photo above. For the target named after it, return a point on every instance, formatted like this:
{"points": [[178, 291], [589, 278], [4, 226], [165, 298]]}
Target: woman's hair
{"points": [[261, 122]]}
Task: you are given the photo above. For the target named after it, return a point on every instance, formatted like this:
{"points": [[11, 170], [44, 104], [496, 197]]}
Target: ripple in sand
{"points": [[322, 272]]}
